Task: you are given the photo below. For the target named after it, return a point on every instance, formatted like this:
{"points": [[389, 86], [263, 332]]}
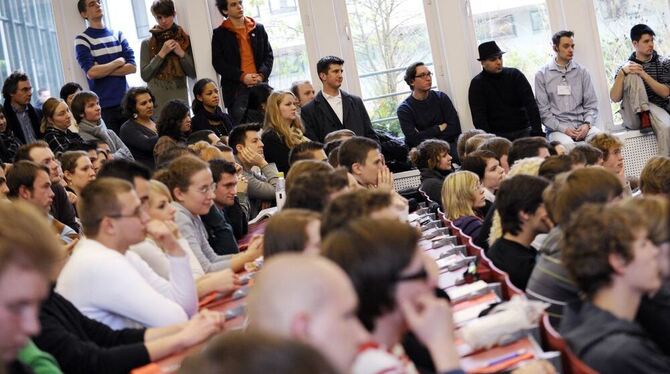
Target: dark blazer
{"points": [[226, 58], [320, 119], [13, 121]]}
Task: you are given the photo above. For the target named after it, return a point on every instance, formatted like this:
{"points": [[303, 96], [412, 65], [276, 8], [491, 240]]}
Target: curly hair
{"points": [[171, 117], [428, 154], [593, 234]]}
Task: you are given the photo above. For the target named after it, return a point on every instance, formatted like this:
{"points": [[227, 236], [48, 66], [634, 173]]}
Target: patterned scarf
{"points": [[171, 69]]}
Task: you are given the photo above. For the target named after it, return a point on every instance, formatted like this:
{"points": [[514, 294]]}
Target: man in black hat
{"points": [[501, 100]]}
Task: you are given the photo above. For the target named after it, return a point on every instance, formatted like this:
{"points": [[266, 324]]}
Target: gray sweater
{"points": [[193, 230]]}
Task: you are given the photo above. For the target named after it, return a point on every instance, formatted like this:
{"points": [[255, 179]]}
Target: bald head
{"points": [[311, 299]]}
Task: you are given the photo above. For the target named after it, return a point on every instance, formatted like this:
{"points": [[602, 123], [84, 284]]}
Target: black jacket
{"points": [[219, 232], [319, 118], [275, 150], [83, 345], [201, 118], [14, 124], [431, 183], [237, 218], [226, 59], [62, 209], [609, 344]]}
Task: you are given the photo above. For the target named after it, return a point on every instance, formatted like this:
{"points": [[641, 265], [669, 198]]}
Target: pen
{"points": [[506, 357]]}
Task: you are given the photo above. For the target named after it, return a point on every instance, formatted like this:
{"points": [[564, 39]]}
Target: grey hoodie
{"points": [[609, 344]]}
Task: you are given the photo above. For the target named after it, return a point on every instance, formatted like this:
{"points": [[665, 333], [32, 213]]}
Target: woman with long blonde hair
{"points": [[462, 193], [282, 129]]}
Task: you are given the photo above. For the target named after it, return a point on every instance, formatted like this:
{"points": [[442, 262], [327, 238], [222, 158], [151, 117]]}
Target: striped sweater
{"points": [[101, 46]]}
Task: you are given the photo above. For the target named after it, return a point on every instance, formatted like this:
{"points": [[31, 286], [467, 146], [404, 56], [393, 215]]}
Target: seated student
{"points": [[230, 195], [248, 150], [307, 151], [314, 190], [623, 267], [61, 207], [555, 165], [208, 136], [590, 154], [29, 182], [96, 155], [474, 142], [256, 353], [257, 104], [207, 114], [426, 113], [433, 160], [292, 230], [462, 193], [523, 217], [463, 139], [333, 151], [549, 281], [611, 147], [160, 209], [174, 126], [342, 135], [535, 146], [77, 170], [303, 167], [9, 143], [290, 292], [655, 176], [98, 278], [362, 157], [192, 187], [500, 147], [282, 129], [140, 132], [394, 288], [86, 110], [556, 148], [56, 120], [488, 169], [22, 118], [654, 307], [357, 204], [27, 252], [641, 85], [66, 94]]}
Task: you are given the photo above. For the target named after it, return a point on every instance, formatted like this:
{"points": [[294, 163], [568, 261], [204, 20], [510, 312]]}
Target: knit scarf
{"points": [[97, 130], [171, 69]]}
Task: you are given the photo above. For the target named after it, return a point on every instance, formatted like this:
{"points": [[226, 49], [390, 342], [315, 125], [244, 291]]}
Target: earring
{"points": [[134, 115]]}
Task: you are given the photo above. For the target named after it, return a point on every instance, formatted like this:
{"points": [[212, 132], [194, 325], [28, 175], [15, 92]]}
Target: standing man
{"points": [[106, 58], [333, 109], [642, 85], [501, 100], [565, 95], [22, 118], [241, 54], [427, 114]]}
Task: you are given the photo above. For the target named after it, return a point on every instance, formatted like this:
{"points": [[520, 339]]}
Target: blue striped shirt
{"points": [[102, 46]]}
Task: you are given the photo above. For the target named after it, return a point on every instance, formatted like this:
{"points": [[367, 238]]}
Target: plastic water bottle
{"points": [[280, 191]]}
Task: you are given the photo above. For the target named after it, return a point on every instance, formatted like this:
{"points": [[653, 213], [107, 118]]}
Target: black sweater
{"points": [[420, 119], [275, 150], [82, 345], [503, 103]]}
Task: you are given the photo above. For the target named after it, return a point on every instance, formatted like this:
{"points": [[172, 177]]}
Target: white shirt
{"points": [[105, 285], [159, 260], [336, 103]]}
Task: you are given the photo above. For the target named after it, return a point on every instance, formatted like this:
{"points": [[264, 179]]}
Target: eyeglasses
{"points": [[206, 189], [424, 75], [137, 213], [419, 275]]}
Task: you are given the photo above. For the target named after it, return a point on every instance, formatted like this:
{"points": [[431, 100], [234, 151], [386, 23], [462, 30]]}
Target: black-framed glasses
{"points": [[419, 275], [424, 75]]}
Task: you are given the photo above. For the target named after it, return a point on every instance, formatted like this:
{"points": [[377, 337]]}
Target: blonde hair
{"points": [[206, 151], [524, 166], [274, 120], [458, 194], [657, 209], [158, 187], [48, 110]]}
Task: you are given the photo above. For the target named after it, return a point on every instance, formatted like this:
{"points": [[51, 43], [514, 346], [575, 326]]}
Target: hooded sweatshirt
{"points": [[610, 344]]}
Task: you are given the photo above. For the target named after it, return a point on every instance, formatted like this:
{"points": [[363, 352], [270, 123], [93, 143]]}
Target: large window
{"points": [[615, 19], [28, 42], [519, 27], [387, 36]]}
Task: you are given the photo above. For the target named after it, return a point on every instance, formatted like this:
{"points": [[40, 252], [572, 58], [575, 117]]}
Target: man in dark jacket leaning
{"points": [[333, 109], [501, 99], [241, 54]]}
